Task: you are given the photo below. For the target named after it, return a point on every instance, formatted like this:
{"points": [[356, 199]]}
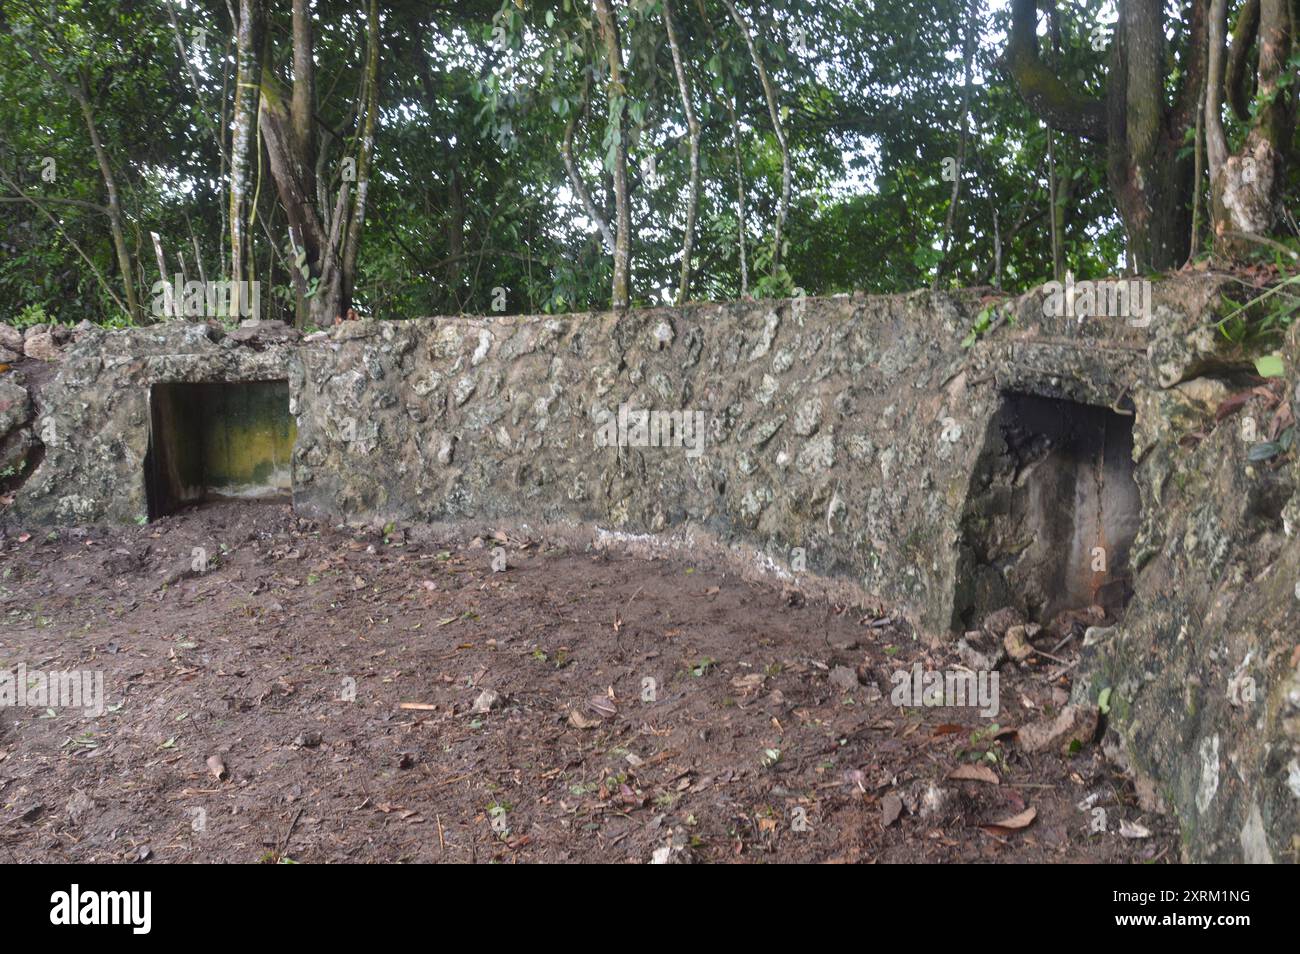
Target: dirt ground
{"points": [[310, 698]]}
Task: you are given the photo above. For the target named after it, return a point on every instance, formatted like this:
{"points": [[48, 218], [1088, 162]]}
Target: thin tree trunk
{"points": [[997, 251], [968, 56], [693, 128], [217, 136], [248, 71], [124, 261], [774, 111], [575, 178], [39, 205], [1054, 210], [608, 22], [1198, 177], [367, 150], [729, 100], [741, 227]]}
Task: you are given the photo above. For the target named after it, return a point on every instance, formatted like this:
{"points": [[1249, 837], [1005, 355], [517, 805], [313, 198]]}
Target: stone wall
{"points": [[823, 423], [843, 446]]}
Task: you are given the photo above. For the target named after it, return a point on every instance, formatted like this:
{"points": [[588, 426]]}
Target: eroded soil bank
{"points": [[767, 709]]}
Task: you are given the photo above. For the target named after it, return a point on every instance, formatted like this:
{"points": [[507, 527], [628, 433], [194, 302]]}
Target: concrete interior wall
{"points": [[218, 439], [1052, 513]]}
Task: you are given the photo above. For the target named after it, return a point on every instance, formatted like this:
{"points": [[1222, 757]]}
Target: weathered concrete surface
{"points": [[824, 424], [93, 416], [844, 441], [1205, 691]]}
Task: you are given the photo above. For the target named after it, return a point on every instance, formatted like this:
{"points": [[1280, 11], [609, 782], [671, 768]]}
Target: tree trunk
{"points": [[115, 219], [328, 238], [78, 90], [304, 83], [1049, 98], [367, 150], [248, 50], [303, 122], [1243, 39], [1149, 182], [1245, 187], [729, 99], [968, 56], [620, 294], [693, 129], [769, 94], [575, 177], [742, 229], [1056, 217]]}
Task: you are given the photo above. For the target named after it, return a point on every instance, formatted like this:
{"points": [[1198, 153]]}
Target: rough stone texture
{"points": [[841, 434], [93, 417], [824, 424], [16, 440], [1202, 671], [11, 338], [42, 347], [15, 406], [257, 332]]}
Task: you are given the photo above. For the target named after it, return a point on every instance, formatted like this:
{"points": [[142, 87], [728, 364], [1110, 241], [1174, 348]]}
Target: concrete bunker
{"points": [[217, 440], [1051, 515]]}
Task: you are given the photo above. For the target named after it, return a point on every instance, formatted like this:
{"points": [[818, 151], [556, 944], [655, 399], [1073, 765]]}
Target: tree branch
{"points": [[1062, 108]]}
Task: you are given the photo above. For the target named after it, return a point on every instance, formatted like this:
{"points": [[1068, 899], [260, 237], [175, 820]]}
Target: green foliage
{"points": [[470, 194], [1264, 318]]}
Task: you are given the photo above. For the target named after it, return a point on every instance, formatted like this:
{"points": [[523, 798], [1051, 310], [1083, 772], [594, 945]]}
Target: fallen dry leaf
{"points": [[891, 806], [1128, 829], [580, 721], [1073, 727], [1014, 823], [1231, 405], [975, 773]]}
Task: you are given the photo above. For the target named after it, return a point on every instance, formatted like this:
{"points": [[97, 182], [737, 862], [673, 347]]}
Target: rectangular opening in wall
{"points": [[218, 440], [1051, 515]]}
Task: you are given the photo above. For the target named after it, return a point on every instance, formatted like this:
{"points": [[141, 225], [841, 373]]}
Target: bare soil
{"points": [[743, 735]]}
